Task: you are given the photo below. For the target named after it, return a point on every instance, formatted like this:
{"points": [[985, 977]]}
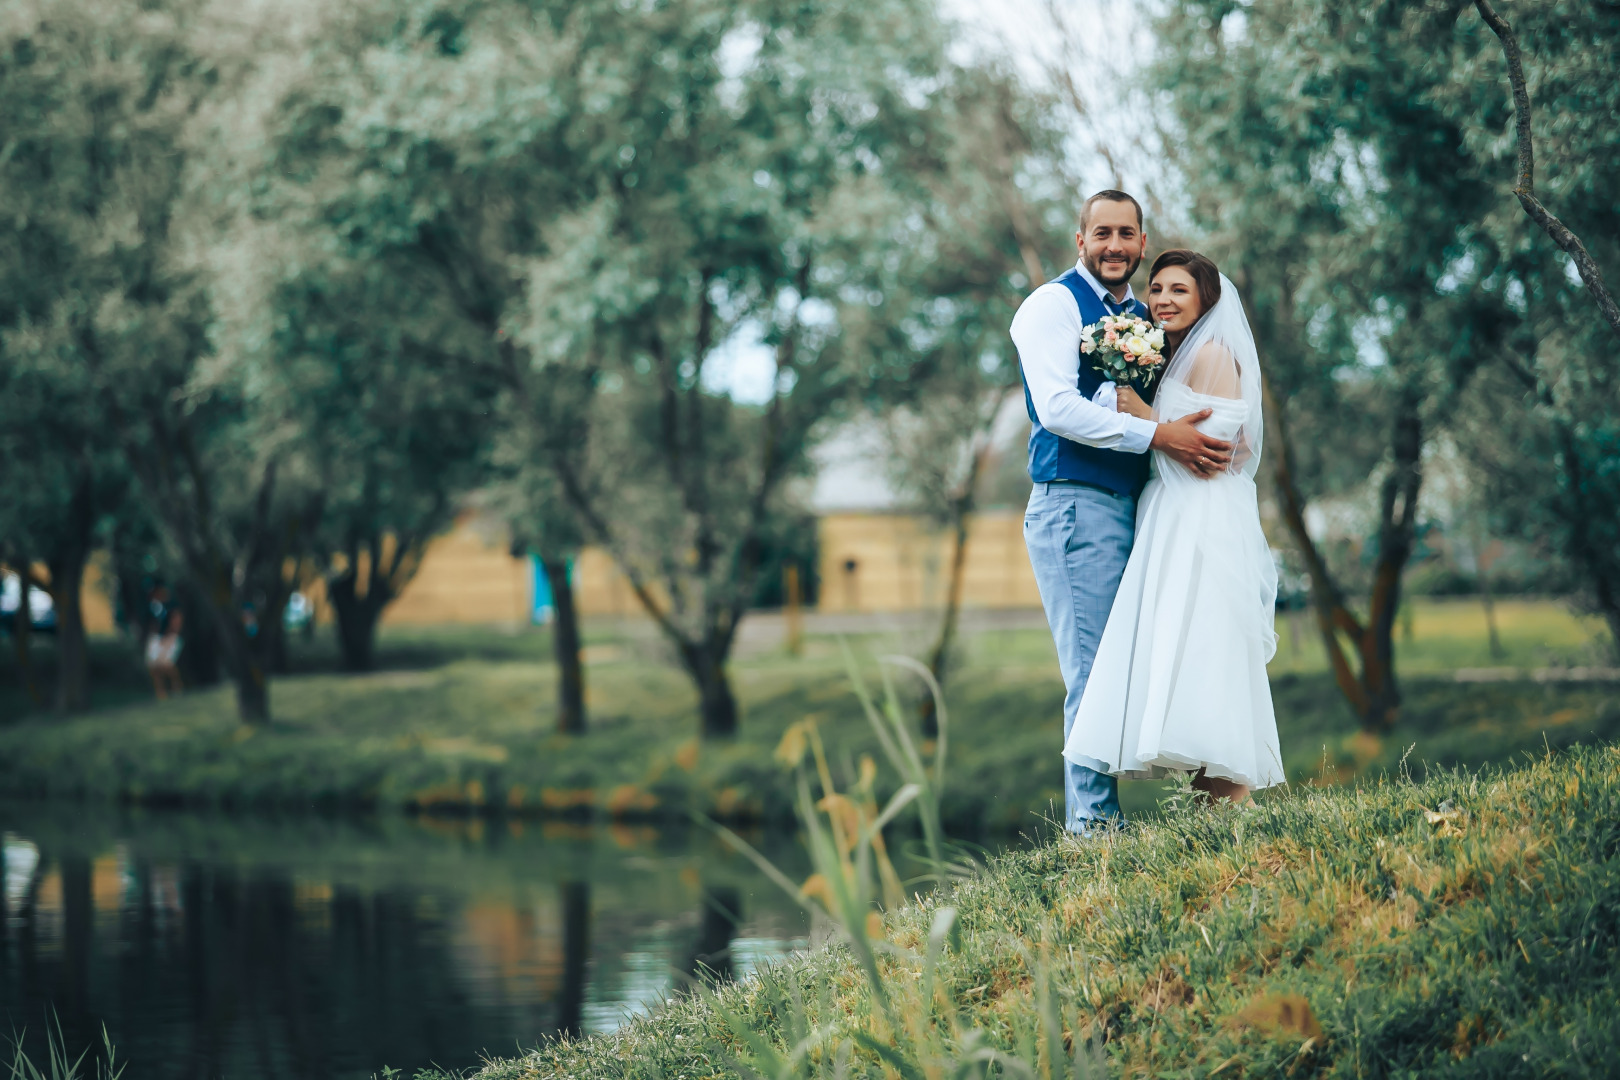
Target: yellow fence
{"points": [[469, 575], [869, 563], [897, 562]]}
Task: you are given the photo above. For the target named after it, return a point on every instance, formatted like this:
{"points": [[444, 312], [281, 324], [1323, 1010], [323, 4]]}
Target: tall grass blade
{"points": [[915, 1031], [941, 716]]}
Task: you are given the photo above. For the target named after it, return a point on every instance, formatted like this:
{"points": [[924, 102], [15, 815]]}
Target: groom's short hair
{"points": [[1109, 195]]}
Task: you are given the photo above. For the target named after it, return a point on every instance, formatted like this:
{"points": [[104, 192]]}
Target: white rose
{"points": [[1156, 339], [1137, 345]]}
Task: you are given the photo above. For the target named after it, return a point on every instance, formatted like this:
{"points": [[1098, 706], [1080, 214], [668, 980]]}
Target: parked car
{"points": [[41, 612], [298, 612]]}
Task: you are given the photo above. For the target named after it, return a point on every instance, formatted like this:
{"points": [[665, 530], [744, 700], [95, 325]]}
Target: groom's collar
{"points": [[1099, 288]]}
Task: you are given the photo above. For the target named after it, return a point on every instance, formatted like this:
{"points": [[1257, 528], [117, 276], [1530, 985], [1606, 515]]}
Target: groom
{"points": [[1089, 463]]}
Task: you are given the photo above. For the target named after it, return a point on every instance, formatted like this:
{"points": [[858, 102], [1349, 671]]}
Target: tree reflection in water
{"points": [[320, 949], [717, 926], [576, 923]]}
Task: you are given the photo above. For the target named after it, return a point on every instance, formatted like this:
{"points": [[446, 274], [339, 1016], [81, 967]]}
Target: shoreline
{"points": [[472, 740], [1394, 922]]}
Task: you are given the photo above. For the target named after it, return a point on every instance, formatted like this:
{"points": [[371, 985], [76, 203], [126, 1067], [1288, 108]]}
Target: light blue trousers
{"points": [[1079, 539]]}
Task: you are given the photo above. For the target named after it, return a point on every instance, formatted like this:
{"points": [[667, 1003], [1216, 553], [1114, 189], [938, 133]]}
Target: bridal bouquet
{"points": [[1125, 349]]}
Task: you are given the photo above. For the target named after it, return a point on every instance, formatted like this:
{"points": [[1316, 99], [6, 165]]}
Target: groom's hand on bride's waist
{"points": [[1182, 440]]}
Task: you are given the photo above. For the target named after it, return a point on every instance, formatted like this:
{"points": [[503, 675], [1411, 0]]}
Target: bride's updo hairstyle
{"points": [[1203, 270]]}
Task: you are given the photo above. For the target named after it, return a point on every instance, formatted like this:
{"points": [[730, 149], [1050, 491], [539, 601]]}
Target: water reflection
{"points": [[722, 915], [215, 947]]}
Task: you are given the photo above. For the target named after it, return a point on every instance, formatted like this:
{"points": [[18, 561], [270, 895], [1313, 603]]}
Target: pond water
{"points": [[212, 946]]}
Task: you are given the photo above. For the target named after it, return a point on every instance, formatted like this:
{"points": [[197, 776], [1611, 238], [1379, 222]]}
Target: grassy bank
{"points": [[1467, 925], [462, 721]]}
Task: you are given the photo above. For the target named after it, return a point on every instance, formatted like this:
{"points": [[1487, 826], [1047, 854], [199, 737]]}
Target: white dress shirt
{"points": [[1046, 332]]}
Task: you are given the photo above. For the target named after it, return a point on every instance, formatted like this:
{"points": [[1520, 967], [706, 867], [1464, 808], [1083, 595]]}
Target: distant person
{"points": [[163, 643]]}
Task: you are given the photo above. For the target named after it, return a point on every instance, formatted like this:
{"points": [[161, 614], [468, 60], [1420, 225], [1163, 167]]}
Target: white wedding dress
{"points": [[1179, 681]]}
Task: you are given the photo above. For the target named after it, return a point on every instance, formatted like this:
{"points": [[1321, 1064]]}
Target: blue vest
{"points": [[1052, 457]]}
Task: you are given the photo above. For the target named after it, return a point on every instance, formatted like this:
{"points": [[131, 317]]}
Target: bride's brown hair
{"points": [[1203, 270]]}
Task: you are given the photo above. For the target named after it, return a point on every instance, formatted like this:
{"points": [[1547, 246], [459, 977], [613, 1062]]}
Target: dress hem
{"points": [[1157, 767]]}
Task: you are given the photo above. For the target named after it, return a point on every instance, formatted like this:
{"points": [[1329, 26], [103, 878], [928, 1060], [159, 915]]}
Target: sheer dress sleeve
{"points": [[1215, 373]]}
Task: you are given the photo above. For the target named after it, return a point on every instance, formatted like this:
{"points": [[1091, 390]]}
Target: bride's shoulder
{"points": [[1214, 354], [1215, 371]]}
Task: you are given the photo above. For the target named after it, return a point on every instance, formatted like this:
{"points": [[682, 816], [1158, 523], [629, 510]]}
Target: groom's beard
{"points": [[1097, 271]]}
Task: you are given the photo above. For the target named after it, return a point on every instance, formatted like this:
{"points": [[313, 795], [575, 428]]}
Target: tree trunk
{"points": [[72, 648], [245, 660], [252, 694], [242, 654], [939, 659], [356, 627], [67, 565], [355, 620], [565, 646], [274, 633], [1488, 600], [358, 613], [717, 705], [22, 633], [1370, 689], [199, 656], [793, 596], [1598, 562], [1396, 532]]}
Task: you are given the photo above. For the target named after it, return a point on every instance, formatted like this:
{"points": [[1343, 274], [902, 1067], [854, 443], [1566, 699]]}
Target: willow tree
{"points": [[78, 155], [394, 421], [1308, 138], [1548, 440], [617, 198], [102, 96]]}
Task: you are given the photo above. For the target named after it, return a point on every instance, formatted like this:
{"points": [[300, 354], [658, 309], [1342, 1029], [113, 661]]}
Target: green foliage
{"points": [[395, 420], [1355, 165], [118, 314], [1349, 166], [89, 177], [594, 205], [303, 302], [1547, 470]]}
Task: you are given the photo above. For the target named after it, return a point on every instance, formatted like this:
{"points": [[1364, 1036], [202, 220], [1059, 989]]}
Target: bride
{"points": [[1180, 676]]}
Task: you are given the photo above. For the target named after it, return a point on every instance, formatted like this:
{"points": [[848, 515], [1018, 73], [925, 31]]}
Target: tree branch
{"points": [[1332, 615], [1525, 188], [770, 467]]}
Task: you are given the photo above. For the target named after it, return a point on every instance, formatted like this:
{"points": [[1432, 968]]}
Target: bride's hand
{"points": [[1127, 401]]}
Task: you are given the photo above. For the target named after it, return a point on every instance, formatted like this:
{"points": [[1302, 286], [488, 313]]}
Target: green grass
{"points": [[1467, 925], [462, 720], [1444, 635]]}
